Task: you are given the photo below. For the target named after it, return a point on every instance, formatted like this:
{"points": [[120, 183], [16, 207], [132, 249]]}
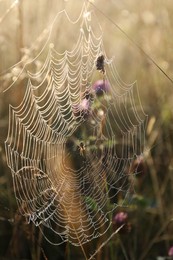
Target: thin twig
{"points": [[154, 240], [123, 249], [104, 243], [132, 41], [43, 253], [8, 10]]}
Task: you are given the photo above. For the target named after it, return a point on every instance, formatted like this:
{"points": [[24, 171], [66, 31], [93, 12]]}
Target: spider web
{"points": [[72, 139]]}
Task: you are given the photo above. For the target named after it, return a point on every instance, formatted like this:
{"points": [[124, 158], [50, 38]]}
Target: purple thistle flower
{"points": [[101, 86], [120, 218], [84, 105], [170, 252], [83, 109]]}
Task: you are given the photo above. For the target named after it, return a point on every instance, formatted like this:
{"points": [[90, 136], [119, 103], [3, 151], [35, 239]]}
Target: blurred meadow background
{"points": [[148, 228]]}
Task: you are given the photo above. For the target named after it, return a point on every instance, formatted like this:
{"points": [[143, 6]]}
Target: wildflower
{"points": [[83, 109], [121, 218], [84, 105], [101, 86], [170, 252]]}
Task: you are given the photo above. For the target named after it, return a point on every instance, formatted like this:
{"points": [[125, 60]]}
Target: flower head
{"points": [[83, 109], [170, 252], [120, 218], [101, 86]]}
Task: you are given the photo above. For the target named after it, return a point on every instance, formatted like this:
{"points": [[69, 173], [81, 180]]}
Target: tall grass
{"points": [[149, 229]]}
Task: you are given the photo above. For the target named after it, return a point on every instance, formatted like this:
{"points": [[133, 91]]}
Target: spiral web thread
{"points": [[70, 149]]}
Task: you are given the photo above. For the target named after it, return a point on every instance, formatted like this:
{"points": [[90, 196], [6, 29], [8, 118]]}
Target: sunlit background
{"points": [[144, 33]]}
